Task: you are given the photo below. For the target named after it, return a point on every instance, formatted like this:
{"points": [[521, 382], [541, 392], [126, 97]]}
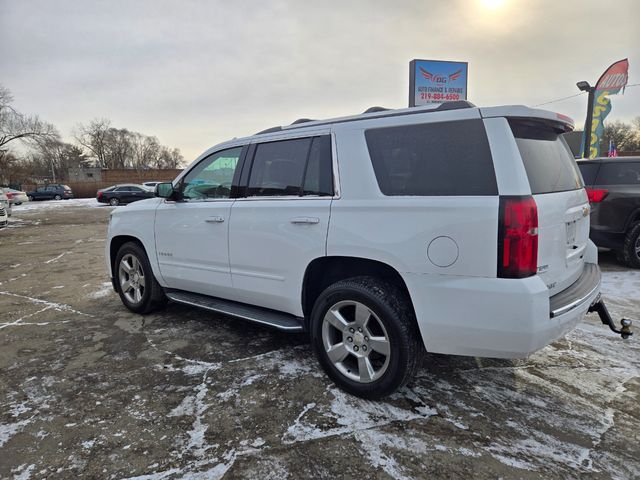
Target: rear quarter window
{"points": [[626, 173], [445, 158], [547, 158]]}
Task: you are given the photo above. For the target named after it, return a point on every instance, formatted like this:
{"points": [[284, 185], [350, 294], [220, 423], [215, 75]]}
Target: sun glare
{"points": [[492, 4]]}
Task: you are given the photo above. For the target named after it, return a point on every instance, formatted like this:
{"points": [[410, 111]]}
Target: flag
{"points": [[612, 149], [610, 82]]}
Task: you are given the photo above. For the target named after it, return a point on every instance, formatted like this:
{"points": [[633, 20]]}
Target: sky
{"points": [[195, 73]]}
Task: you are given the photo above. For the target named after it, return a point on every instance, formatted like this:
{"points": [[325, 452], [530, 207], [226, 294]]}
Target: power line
{"points": [[560, 99], [576, 95]]}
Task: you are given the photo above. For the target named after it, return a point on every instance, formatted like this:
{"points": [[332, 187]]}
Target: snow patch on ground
{"points": [[106, 288], [57, 204], [8, 430]]}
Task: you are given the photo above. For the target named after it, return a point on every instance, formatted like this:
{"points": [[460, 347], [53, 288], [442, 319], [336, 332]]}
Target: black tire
{"points": [[153, 296], [629, 255], [57, 197], [114, 202], [394, 311]]}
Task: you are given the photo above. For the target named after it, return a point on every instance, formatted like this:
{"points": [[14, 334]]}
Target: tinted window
{"points": [[136, 189], [212, 177], [619, 174], [588, 171], [278, 167], [547, 158], [447, 158], [318, 178]]}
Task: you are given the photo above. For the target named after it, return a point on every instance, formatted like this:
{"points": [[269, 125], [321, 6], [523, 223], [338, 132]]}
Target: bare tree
{"points": [[625, 136], [17, 126], [94, 137], [122, 148]]}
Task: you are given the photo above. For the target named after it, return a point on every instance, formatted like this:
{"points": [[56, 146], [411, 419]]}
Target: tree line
{"points": [[45, 154]]}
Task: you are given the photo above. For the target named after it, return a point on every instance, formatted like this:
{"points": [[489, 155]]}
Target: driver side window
{"points": [[212, 177]]}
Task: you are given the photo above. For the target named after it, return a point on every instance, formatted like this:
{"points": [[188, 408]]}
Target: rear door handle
{"points": [[300, 220], [214, 219]]}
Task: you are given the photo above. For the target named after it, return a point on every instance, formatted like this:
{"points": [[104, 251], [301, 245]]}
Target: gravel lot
{"points": [[88, 389]]}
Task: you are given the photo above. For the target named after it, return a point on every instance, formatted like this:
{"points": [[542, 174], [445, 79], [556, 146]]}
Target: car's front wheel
{"points": [[137, 286], [365, 336]]}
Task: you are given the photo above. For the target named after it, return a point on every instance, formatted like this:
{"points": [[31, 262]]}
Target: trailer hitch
{"points": [[601, 309]]}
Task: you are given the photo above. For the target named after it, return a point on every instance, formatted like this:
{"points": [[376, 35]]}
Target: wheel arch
{"points": [[324, 271], [116, 243], [632, 219]]}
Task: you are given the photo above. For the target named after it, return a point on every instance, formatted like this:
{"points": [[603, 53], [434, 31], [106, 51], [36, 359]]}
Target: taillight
{"points": [[596, 195], [517, 237], [99, 195]]}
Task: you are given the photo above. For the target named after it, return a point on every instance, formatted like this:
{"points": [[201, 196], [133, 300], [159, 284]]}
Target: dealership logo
{"points": [[437, 78]]}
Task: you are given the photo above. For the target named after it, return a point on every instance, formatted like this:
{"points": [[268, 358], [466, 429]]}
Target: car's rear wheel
{"points": [[135, 282], [630, 253], [57, 197], [114, 202], [365, 336]]}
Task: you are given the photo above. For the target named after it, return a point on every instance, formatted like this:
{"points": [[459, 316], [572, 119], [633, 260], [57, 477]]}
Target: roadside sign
{"points": [[436, 81]]}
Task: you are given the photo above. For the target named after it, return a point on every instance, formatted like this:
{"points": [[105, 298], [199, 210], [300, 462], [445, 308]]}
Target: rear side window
{"points": [[589, 171], [299, 166], [446, 158], [547, 158], [626, 173], [318, 178]]}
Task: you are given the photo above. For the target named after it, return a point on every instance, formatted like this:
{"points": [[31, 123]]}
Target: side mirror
{"points": [[165, 190]]}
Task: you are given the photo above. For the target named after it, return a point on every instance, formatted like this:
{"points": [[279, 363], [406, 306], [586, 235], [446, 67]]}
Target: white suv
{"points": [[460, 229]]}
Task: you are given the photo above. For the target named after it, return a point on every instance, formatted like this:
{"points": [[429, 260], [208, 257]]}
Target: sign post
{"points": [[437, 81]]}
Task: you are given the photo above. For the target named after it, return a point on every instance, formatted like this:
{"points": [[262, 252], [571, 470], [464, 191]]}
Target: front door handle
{"points": [[214, 219], [309, 220]]}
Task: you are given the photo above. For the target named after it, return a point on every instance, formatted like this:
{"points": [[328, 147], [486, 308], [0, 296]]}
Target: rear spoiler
{"points": [[557, 121]]}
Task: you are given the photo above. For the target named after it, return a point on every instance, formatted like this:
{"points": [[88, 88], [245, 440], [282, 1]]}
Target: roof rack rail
{"points": [[269, 130], [454, 105], [376, 109], [302, 120]]}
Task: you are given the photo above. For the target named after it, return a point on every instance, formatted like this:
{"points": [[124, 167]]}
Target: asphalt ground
{"points": [[90, 390]]}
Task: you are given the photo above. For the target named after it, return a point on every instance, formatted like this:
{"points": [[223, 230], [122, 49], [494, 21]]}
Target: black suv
{"points": [[51, 192], [613, 187]]}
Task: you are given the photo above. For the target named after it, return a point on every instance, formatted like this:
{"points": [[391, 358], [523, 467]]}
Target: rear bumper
{"points": [[581, 291], [496, 317]]}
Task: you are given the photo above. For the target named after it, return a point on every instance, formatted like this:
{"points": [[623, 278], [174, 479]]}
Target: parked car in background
{"points": [[150, 185], [51, 192], [121, 194], [16, 197], [613, 187], [5, 209]]}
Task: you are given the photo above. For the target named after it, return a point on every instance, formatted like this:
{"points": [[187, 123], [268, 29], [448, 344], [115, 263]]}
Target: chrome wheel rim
{"points": [[131, 278], [637, 247], [114, 202], [356, 341]]}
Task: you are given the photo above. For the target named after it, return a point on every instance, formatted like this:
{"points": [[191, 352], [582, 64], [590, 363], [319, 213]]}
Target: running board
{"points": [[272, 318]]}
